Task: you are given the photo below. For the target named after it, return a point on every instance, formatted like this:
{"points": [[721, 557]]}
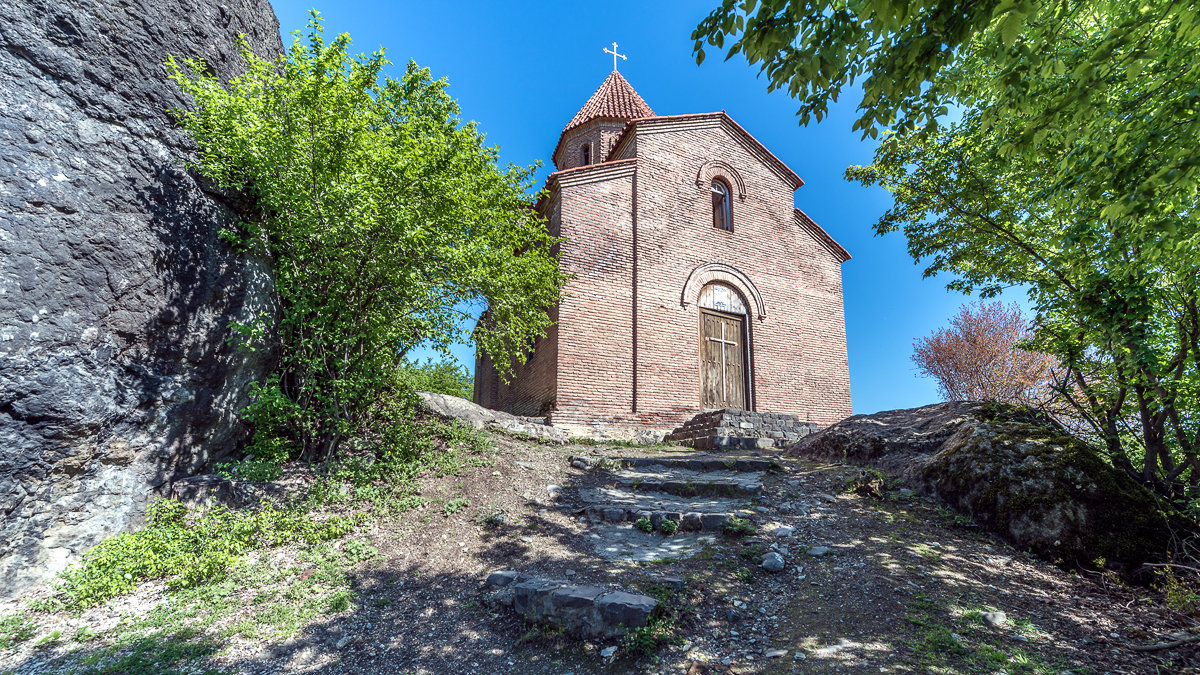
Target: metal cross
{"points": [[613, 51], [724, 379]]}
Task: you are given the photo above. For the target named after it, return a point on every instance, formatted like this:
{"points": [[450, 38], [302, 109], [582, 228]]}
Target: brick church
{"points": [[698, 284]]}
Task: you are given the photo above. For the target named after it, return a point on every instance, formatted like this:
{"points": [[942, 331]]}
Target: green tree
{"points": [[1070, 169], [441, 377], [1113, 81], [1117, 311], [383, 214]]}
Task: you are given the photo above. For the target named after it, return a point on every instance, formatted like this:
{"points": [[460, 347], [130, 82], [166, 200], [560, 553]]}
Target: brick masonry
{"points": [[640, 241]]}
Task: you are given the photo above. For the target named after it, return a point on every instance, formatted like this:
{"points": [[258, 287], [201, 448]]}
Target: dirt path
{"points": [[894, 585]]}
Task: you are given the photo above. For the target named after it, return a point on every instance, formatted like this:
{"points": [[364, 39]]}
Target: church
{"points": [[698, 286]]}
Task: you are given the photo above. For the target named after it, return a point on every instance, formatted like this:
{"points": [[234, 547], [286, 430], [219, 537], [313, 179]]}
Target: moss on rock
{"points": [[1017, 473]]}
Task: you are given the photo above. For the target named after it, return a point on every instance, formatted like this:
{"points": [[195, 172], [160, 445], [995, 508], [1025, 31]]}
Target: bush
{"points": [[668, 527], [644, 525]]}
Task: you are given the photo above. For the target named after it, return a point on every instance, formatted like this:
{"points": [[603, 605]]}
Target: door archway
{"points": [[724, 354]]}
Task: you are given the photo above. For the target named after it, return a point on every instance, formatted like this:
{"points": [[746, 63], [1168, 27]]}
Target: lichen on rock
{"points": [[1017, 473]]}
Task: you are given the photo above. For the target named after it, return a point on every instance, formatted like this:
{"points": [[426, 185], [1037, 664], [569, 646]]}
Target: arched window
{"points": [[722, 216], [722, 298], [585, 155]]}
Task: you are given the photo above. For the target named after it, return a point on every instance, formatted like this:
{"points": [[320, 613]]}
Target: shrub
{"points": [[644, 525], [668, 527]]}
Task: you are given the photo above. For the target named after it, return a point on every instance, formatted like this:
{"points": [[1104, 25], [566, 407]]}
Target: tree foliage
{"points": [[1113, 81], [981, 357], [441, 377], [383, 215], [1070, 169]]}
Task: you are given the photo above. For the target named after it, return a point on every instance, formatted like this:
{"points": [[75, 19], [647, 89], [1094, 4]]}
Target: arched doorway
{"points": [[724, 371]]}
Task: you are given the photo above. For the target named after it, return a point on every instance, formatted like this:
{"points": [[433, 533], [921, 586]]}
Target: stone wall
{"points": [[718, 429], [115, 293]]}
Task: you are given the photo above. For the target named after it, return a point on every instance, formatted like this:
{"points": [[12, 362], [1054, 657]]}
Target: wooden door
{"points": [[722, 361]]}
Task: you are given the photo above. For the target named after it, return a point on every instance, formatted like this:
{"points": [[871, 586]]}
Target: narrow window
{"points": [[585, 155], [722, 219]]}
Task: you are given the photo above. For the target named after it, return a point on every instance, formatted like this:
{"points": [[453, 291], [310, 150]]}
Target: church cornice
{"points": [[593, 172], [817, 232]]}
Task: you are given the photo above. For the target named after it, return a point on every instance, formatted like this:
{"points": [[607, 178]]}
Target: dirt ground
{"points": [[905, 587]]}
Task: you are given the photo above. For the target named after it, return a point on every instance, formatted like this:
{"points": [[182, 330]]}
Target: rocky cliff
{"points": [[115, 294]]}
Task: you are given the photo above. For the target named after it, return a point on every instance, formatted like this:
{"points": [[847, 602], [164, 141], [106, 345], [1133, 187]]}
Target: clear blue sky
{"points": [[522, 70]]}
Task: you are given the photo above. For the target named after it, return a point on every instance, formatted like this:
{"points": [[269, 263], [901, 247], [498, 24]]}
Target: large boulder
{"points": [[116, 295], [1015, 472], [479, 417]]}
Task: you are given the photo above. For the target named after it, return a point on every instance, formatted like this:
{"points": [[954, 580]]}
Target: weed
{"points": [[357, 550], [752, 552], [668, 527], [50, 638], [644, 525], [454, 506], [15, 629], [85, 634], [1182, 593], [737, 527], [745, 574], [497, 518]]}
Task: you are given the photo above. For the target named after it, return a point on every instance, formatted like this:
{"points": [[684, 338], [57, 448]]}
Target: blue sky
{"points": [[522, 70]]}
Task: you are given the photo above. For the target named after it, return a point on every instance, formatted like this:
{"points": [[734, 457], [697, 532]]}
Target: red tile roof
{"points": [[614, 99]]}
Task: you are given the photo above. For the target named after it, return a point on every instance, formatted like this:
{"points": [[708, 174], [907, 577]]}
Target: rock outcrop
{"points": [[1014, 472], [480, 417], [116, 295]]}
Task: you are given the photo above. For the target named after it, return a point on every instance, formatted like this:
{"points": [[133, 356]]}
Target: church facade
{"points": [[697, 283]]}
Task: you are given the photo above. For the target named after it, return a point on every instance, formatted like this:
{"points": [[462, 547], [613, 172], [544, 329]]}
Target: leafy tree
{"points": [[1116, 310], [383, 215], [441, 377], [1113, 80], [1071, 170], [980, 357]]}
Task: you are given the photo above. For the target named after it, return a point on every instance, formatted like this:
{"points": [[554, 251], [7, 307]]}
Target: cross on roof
{"points": [[613, 51]]}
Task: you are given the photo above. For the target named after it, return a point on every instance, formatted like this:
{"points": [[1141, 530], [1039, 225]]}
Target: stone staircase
{"points": [[727, 428], [700, 494]]}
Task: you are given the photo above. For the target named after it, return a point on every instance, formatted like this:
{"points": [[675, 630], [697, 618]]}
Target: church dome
{"points": [[590, 134], [615, 99]]}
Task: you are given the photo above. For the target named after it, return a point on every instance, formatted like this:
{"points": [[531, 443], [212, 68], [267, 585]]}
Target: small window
{"points": [[722, 219], [585, 155]]}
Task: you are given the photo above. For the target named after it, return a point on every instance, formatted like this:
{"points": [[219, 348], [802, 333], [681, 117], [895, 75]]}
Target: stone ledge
{"points": [[589, 611]]}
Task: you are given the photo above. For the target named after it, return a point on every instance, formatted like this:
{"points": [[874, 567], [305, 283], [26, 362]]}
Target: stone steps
{"points": [[702, 463], [608, 505], [588, 611], [686, 483]]}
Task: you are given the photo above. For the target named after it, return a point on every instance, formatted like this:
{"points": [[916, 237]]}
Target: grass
{"points": [[949, 639], [259, 573], [15, 629], [163, 653]]}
